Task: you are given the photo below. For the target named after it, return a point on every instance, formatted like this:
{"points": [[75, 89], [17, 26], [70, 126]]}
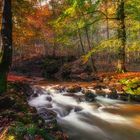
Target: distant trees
{"points": [[6, 45], [101, 29], [100, 26]]}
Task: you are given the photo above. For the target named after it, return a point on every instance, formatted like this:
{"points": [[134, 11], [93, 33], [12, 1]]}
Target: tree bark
{"points": [[81, 43], [107, 20], [122, 36], [90, 48], [6, 35]]}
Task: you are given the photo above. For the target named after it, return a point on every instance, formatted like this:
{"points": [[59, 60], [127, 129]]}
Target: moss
{"points": [[19, 130], [131, 86]]}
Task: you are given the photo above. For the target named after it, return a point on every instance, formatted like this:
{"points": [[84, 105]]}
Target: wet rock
{"points": [[34, 95], [77, 109], [113, 96], [123, 97], [49, 98], [135, 98], [90, 97], [38, 90], [74, 89], [47, 114]]}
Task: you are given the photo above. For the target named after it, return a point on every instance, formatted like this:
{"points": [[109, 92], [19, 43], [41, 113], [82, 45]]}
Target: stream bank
{"points": [[19, 121]]}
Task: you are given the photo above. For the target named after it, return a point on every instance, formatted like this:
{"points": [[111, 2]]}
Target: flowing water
{"points": [[103, 119]]}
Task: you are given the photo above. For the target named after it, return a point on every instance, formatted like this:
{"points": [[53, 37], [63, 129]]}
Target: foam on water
{"points": [[82, 117], [60, 102]]}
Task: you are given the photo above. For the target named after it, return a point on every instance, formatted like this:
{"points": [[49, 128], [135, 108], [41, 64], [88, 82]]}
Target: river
{"points": [[103, 119]]}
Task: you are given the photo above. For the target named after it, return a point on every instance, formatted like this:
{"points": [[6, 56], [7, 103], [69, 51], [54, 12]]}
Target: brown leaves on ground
{"points": [[119, 76]]}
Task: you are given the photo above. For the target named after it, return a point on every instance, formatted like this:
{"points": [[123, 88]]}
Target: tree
{"points": [[122, 36], [6, 37]]}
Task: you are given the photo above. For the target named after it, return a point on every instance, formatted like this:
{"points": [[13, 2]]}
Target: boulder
{"points": [[47, 114], [113, 96], [77, 109], [123, 97], [75, 70], [49, 98], [90, 97], [135, 98]]}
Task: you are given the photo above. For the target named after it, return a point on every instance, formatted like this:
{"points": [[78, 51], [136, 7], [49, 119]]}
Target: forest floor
{"points": [[107, 77], [19, 121], [110, 79]]}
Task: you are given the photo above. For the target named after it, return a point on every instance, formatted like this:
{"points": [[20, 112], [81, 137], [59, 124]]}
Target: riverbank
{"points": [[19, 121]]}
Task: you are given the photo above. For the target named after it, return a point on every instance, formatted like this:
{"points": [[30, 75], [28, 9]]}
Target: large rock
{"points": [[46, 114], [76, 70], [113, 96], [135, 98], [123, 97], [90, 97]]}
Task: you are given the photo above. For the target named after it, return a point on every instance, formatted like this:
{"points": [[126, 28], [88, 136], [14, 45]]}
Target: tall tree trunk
{"points": [[122, 36], [90, 48], [107, 20], [6, 34], [81, 43]]}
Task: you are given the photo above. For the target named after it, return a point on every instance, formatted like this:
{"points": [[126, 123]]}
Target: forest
{"points": [[69, 69]]}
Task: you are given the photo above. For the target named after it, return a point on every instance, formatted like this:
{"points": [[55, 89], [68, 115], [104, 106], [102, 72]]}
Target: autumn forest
{"points": [[70, 70]]}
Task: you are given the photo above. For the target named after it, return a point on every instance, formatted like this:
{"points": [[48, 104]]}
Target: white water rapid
{"points": [[103, 119]]}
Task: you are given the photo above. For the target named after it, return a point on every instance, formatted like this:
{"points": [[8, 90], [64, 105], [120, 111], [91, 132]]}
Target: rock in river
{"points": [[47, 114], [90, 97]]}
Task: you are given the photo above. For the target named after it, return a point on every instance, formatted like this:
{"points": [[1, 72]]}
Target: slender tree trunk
{"points": [[122, 36], [107, 20], [90, 48], [81, 43], [6, 34]]}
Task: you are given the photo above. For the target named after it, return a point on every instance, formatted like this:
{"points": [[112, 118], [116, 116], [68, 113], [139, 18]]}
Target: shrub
{"points": [[131, 86]]}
